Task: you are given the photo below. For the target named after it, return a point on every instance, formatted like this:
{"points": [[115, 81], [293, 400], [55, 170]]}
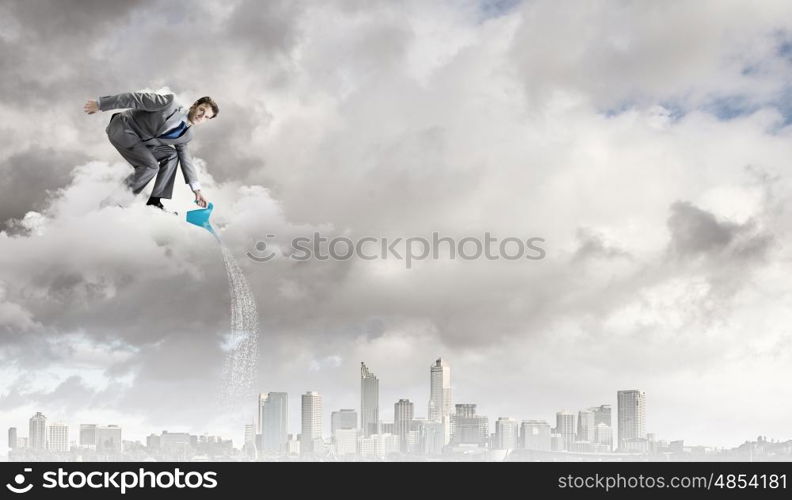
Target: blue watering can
{"points": [[200, 218]]}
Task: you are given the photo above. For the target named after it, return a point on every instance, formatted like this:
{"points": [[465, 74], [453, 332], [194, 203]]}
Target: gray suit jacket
{"points": [[149, 116]]}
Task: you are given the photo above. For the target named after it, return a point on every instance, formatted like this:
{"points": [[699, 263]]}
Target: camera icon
{"points": [[20, 479]]}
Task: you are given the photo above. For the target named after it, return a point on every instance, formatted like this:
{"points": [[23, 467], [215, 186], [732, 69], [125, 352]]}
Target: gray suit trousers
{"points": [[149, 161]]}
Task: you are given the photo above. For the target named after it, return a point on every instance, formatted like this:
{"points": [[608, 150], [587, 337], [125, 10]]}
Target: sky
{"points": [[648, 144]]}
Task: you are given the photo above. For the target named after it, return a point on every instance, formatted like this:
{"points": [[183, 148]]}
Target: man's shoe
{"points": [[155, 202]]}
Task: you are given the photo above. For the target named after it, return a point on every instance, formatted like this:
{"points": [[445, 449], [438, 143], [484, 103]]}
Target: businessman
{"points": [[152, 135]]}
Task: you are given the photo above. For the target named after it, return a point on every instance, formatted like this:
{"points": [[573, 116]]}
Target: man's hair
{"points": [[207, 100]]}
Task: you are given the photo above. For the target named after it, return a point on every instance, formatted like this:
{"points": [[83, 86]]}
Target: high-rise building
{"points": [[467, 427], [369, 401], [88, 435], [343, 419], [507, 432], [38, 432], [58, 437], [250, 434], [311, 421], [346, 441], [108, 439], [12, 437], [439, 391], [565, 426], [403, 414], [249, 441], [273, 421], [535, 435], [632, 416], [585, 426], [603, 435], [433, 437], [602, 415]]}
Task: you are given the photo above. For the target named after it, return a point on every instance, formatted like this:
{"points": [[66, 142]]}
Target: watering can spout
{"points": [[200, 217]]}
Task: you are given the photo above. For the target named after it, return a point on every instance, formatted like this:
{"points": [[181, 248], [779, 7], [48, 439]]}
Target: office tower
{"points": [[403, 413], [602, 415], [433, 438], [416, 437], [249, 441], [631, 416], [535, 435], [467, 427], [342, 419], [88, 435], [369, 401], [507, 431], [565, 426], [273, 421], [603, 435], [311, 421], [386, 428], [556, 442], [250, 434], [12, 437], [38, 432], [58, 437], [293, 445], [108, 439], [585, 426], [346, 441], [439, 391]]}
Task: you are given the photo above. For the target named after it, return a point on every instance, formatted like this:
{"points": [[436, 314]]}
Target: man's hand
{"points": [[91, 107], [200, 200]]}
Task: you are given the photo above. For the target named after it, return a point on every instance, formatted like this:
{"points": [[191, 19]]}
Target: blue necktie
{"points": [[175, 132]]}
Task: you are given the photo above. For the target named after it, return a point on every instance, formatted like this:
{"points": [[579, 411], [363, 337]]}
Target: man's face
{"points": [[201, 113]]}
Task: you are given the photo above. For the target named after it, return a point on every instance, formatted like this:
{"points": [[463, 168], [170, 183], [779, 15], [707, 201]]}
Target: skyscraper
{"points": [[58, 437], [467, 427], [342, 419], [632, 415], [12, 437], [507, 431], [273, 421], [311, 421], [585, 426], [250, 435], [535, 435], [439, 391], [38, 432], [88, 435], [403, 414], [369, 401], [565, 426], [603, 435], [602, 415], [249, 447]]}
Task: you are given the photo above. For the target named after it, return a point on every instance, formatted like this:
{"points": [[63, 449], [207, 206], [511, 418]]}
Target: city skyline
{"points": [[571, 432]]}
